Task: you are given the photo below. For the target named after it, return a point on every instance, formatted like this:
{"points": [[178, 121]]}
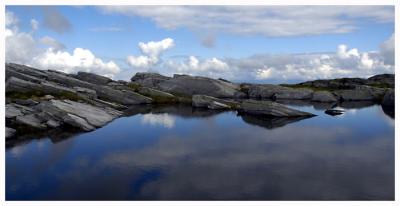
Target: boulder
{"points": [[268, 108], [93, 78], [323, 96], [208, 102], [361, 93], [10, 132], [14, 110], [388, 99]]}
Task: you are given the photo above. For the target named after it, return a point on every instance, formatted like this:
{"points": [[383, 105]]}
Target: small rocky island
{"points": [[45, 100]]}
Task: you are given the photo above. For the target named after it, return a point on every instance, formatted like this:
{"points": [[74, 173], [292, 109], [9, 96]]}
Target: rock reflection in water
{"points": [[270, 122]]}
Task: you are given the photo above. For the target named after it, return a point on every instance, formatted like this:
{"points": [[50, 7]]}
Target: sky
{"points": [[264, 44]]}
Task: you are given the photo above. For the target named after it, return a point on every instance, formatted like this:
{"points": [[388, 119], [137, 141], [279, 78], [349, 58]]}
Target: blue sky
{"points": [[222, 45]]}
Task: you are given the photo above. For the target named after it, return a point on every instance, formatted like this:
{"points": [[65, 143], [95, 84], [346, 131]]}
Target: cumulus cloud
{"points": [[260, 20], [151, 52], [55, 20], [387, 50], [23, 48], [52, 43]]}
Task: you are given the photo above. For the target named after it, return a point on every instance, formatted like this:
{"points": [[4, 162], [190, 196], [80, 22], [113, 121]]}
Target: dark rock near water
{"points": [[268, 108], [388, 99], [208, 102], [270, 122], [334, 112], [323, 96]]}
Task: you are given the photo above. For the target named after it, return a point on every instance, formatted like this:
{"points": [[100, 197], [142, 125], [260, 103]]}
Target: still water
{"points": [[177, 153]]}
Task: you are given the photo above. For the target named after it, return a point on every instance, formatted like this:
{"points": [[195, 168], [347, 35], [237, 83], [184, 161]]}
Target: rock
{"points": [[268, 108], [360, 93], [48, 97], [156, 95], [185, 85], [86, 93], [382, 80], [208, 102], [10, 132], [14, 110], [26, 102], [147, 79], [388, 99], [14, 84], [323, 96], [334, 112], [269, 91], [78, 122], [93, 78], [31, 120], [52, 123], [93, 115], [297, 94]]}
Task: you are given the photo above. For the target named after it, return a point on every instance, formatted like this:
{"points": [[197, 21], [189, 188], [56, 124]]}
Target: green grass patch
{"points": [[134, 86]]}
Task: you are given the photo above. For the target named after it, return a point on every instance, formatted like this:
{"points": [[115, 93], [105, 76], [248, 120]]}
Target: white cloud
{"points": [[343, 53], [164, 120], [151, 52], [387, 50], [211, 67], [260, 20], [79, 60], [34, 24], [52, 43], [23, 48]]}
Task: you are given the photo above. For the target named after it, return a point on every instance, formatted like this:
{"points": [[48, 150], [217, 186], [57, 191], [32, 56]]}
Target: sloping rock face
{"points": [[156, 95], [361, 93], [268, 108], [93, 78], [208, 102], [186, 85]]}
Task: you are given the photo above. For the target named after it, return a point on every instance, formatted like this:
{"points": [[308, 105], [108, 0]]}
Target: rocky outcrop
{"points": [[323, 96], [268, 108], [10, 132], [388, 99], [269, 91], [204, 101], [185, 85], [156, 95]]}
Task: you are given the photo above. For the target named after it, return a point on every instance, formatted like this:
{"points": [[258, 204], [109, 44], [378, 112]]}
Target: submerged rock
{"points": [[269, 108]]}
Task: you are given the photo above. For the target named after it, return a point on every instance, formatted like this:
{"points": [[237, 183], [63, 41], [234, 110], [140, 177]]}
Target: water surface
{"points": [[177, 153]]}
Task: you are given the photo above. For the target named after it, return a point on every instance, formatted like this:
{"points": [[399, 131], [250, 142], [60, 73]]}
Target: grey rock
{"points": [[361, 93], [52, 123], [269, 91], [208, 102], [14, 84], [148, 79], [48, 97], [157, 95], [31, 120], [26, 102], [388, 99], [10, 132], [78, 122], [86, 93], [268, 108], [187, 86], [93, 115], [323, 96], [14, 110], [93, 78]]}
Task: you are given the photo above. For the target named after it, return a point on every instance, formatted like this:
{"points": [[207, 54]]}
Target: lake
{"points": [[178, 153]]}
